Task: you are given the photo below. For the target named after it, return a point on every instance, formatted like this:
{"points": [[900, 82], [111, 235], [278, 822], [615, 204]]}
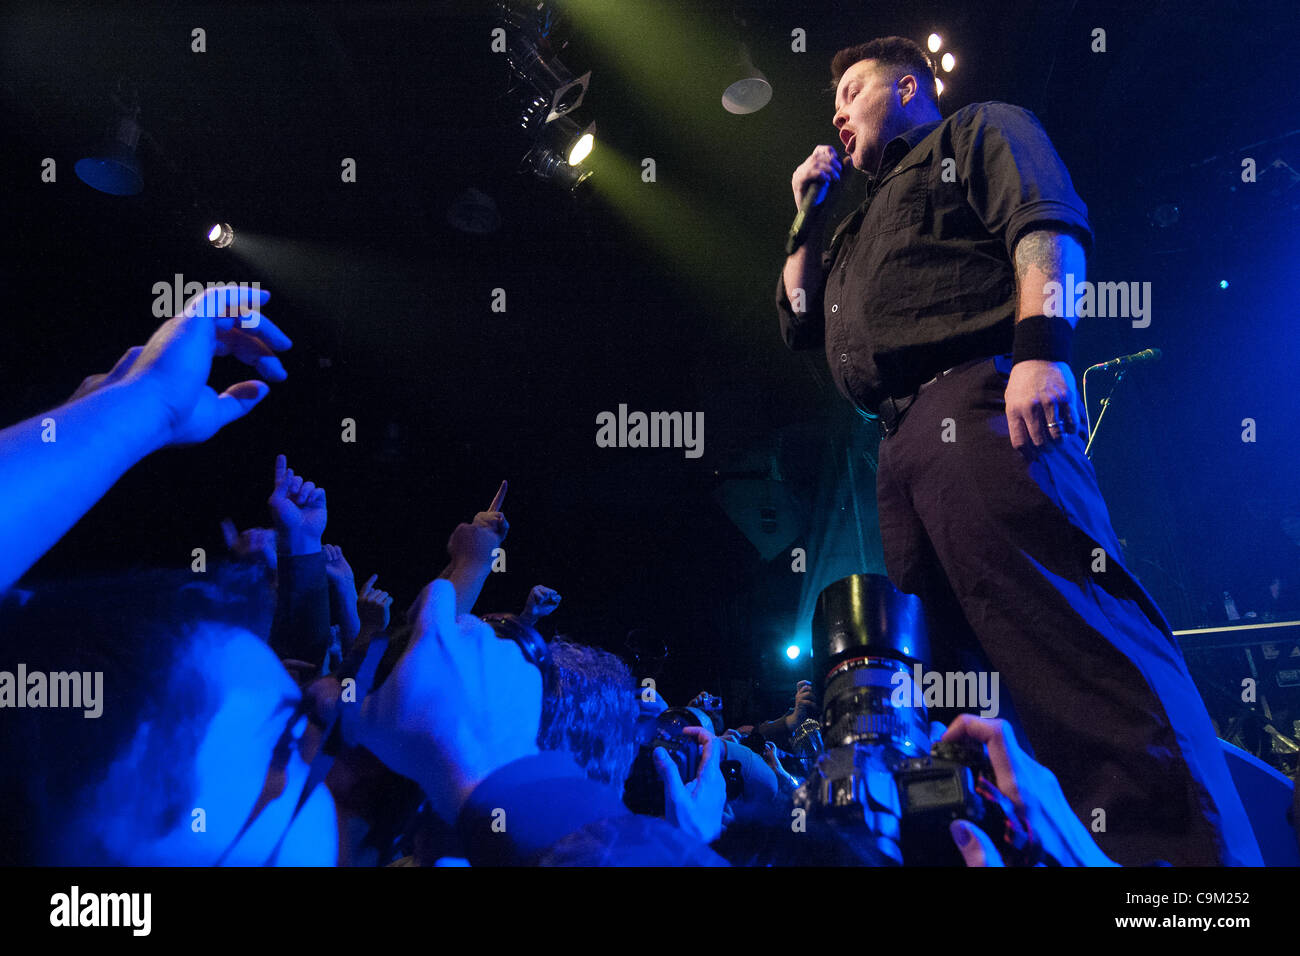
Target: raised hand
{"points": [[175, 363], [299, 510], [439, 718], [339, 574], [473, 543], [374, 605], [541, 602], [470, 548], [156, 395], [336, 566], [251, 544]]}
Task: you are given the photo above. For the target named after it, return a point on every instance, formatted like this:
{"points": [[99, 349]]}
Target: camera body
{"points": [[881, 786], [644, 791]]}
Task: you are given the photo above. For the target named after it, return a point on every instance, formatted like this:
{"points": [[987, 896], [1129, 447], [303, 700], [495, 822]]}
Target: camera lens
{"points": [[868, 634]]}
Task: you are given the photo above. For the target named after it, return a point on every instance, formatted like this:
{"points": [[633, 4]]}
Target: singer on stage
{"points": [[930, 304]]}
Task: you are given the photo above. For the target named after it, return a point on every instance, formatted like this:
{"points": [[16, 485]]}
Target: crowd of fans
{"points": [[269, 710]]}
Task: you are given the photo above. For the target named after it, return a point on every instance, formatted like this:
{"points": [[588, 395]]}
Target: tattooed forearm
{"points": [[1044, 256]]}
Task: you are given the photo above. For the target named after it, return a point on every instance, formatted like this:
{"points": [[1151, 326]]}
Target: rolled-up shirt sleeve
{"points": [[1014, 179], [806, 328]]}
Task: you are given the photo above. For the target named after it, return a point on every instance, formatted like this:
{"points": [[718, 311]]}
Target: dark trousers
{"points": [[1002, 551]]}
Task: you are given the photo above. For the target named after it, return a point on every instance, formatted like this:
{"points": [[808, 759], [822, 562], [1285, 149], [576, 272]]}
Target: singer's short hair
{"points": [[898, 54]]}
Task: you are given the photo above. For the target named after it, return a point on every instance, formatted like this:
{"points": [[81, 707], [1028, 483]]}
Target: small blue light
{"points": [[792, 652], [1223, 283], [907, 650]]}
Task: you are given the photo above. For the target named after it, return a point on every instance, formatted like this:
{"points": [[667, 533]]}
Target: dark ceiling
{"points": [[660, 299]]}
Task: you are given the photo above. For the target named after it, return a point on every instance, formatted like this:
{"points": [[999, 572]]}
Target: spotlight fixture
{"points": [[582, 148], [934, 42], [547, 92], [221, 235], [565, 138], [948, 62], [547, 164], [792, 652], [533, 62], [113, 167], [751, 92]]}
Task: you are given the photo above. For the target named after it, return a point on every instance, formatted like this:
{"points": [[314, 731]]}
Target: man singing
{"points": [[933, 308]]}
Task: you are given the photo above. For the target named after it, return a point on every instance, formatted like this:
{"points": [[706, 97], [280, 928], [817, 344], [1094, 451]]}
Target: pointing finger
{"points": [[500, 498]]}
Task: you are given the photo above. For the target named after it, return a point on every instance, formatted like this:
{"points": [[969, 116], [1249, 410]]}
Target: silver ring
{"points": [[1053, 424]]}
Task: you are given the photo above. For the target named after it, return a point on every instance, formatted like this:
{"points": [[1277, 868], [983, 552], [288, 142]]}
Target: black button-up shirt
{"points": [[921, 278]]}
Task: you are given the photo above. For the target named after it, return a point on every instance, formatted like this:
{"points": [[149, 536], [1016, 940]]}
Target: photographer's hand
{"points": [[805, 705], [785, 780], [1034, 791], [976, 846], [695, 808]]}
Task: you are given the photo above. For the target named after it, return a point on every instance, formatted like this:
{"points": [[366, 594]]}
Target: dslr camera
{"points": [[881, 786]]}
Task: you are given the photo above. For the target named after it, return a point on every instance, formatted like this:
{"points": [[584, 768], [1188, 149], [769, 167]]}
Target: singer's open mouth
{"points": [[846, 137]]}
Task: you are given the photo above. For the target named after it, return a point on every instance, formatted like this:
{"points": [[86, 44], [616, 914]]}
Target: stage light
{"points": [[532, 61], [113, 168], [1223, 283], [751, 92], [948, 62], [562, 137], [547, 164], [934, 42], [547, 91], [938, 84], [582, 148], [221, 235], [792, 652], [558, 149]]}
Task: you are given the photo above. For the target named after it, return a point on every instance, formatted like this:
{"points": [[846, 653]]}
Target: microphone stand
{"points": [[1105, 404]]}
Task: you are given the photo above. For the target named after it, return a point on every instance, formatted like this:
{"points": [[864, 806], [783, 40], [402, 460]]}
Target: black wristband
{"points": [[1045, 337]]}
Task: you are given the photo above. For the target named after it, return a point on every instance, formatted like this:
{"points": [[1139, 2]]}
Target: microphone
{"points": [[1137, 358], [814, 194]]}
